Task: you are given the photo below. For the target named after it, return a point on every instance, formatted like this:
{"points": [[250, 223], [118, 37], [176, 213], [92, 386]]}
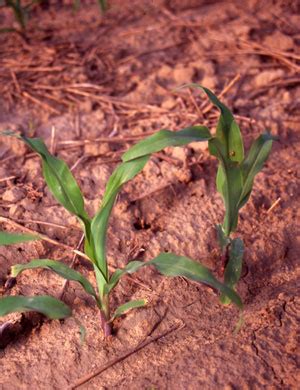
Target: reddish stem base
{"points": [[106, 326]]}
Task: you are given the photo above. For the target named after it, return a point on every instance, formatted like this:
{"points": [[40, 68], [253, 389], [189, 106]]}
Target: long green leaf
{"points": [[253, 163], [49, 306], [130, 268], [229, 184], [164, 138], [170, 264], [122, 174], [16, 238], [59, 179], [128, 306], [234, 267], [228, 131], [57, 267], [63, 186]]}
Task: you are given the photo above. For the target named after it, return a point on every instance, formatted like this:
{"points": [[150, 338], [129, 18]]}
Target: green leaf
{"points": [[49, 306], [59, 268], [228, 132], [170, 264], [103, 5], [59, 179], [15, 238], [253, 163], [122, 174], [234, 266], [229, 184], [164, 138], [130, 268], [62, 185], [128, 306]]}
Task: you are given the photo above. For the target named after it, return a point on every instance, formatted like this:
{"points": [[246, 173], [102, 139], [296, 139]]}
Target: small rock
{"points": [[184, 175], [164, 72], [168, 103], [183, 74], [14, 145], [96, 148], [13, 195], [179, 153], [28, 204], [198, 146], [16, 211], [77, 301], [266, 77], [279, 41], [209, 82]]}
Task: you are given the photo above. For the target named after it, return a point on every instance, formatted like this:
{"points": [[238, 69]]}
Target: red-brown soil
{"points": [[90, 76]]}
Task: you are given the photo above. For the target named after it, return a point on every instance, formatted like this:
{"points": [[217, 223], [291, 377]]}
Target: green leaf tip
{"points": [[129, 306], [7, 238], [165, 138], [49, 306], [57, 267]]}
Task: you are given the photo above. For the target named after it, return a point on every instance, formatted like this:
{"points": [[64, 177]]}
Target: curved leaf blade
{"points": [[234, 267], [130, 268], [128, 306], [57, 267], [253, 164], [164, 138], [122, 174], [169, 264], [228, 131], [49, 306], [59, 179], [62, 185], [7, 238]]}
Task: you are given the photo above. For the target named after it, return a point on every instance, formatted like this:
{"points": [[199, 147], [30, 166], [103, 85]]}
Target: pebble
{"points": [[13, 195], [279, 41], [266, 77]]}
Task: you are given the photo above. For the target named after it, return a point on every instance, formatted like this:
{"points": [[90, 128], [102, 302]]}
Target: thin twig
{"points": [[117, 140], [38, 222], [7, 178], [274, 205], [119, 359], [43, 237], [223, 92], [52, 143], [40, 103]]}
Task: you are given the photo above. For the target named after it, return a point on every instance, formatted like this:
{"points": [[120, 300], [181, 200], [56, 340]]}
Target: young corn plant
{"points": [[235, 178], [66, 191]]}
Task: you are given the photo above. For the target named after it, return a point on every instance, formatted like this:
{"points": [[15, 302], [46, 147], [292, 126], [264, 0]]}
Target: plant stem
{"points": [[104, 316], [106, 326], [224, 259]]}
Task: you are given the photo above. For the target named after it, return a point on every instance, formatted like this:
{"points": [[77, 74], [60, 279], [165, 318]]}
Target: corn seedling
{"points": [[234, 181], [66, 191]]}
